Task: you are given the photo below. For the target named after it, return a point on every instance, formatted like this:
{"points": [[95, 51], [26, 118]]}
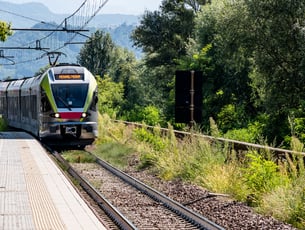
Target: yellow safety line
{"points": [[45, 214]]}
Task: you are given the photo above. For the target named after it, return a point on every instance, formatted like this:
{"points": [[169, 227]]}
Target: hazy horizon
{"points": [[134, 7]]}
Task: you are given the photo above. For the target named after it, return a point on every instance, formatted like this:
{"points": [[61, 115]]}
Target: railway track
{"points": [[131, 204], [109, 211]]}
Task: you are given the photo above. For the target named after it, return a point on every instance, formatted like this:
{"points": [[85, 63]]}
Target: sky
{"points": [[135, 7]]}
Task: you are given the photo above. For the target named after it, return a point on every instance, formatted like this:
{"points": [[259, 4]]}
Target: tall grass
{"points": [[287, 201], [273, 189]]}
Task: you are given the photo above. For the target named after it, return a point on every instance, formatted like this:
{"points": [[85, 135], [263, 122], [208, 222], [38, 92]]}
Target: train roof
{"points": [[64, 69], [68, 69], [4, 85], [15, 85]]}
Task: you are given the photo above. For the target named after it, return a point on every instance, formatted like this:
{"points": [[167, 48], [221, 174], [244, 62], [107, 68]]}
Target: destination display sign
{"points": [[69, 77]]}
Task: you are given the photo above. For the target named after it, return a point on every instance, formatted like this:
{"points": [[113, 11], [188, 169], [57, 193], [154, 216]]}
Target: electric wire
{"points": [[62, 36], [26, 17]]}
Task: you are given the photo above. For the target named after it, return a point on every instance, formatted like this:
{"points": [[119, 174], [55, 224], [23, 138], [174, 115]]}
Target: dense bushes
{"points": [[148, 114]]}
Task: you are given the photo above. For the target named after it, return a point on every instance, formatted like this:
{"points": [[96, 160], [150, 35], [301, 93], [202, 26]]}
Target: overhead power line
{"points": [[26, 17], [50, 30], [59, 37]]}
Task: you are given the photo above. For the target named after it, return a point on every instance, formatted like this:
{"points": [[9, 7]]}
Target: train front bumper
{"points": [[88, 129]]}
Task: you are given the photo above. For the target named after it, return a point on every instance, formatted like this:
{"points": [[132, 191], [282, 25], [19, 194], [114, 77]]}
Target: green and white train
{"points": [[60, 102]]}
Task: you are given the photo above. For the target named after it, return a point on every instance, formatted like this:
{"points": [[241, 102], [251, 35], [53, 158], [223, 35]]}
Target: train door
{"points": [[45, 111]]}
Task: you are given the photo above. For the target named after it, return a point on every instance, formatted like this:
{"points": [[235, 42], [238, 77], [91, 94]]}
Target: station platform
{"points": [[34, 194]]}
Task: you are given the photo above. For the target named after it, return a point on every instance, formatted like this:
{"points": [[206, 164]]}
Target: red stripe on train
{"points": [[71, 115]]}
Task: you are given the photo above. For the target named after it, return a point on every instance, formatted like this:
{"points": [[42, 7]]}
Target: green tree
{"points": [[277, 37], [118, 69], [163, 34], [5, 31], [221, 26], [148, 114], [125, 69], [110, 96], [122, 63], [259, 51], [97, 52], [158, 86], [164, 37]]}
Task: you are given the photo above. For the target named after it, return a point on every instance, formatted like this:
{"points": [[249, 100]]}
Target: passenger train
{"points": [[60, 102]]}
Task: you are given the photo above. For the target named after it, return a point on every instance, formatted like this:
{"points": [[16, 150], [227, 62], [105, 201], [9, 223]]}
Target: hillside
{"points": [[22, 15]]}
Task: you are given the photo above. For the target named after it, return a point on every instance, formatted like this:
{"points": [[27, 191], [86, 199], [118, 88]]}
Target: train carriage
{"points": [[3, 96], [60, 102], [13, 103], [28, 108]]}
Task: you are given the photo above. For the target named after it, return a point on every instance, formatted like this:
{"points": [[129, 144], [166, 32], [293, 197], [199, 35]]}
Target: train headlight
{"points": [[55, 115], [84, 115]]}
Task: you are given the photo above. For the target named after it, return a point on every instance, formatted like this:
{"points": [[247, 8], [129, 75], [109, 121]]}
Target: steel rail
{"points": [[187, 214], [121, 221]]}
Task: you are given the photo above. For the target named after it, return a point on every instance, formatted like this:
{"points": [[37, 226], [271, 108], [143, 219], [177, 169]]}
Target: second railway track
{"points": [[142, 206]]}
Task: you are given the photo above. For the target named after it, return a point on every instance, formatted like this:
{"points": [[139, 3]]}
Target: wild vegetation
{"points": [[5, 30], [250, 53], [270, 186], [251, 56]]}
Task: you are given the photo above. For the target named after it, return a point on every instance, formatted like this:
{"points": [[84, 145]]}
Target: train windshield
{"points": [[70, 95]]}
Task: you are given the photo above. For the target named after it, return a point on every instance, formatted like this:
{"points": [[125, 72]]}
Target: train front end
{"points": [[68, 103]]}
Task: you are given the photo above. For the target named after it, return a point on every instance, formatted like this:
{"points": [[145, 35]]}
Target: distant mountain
{"points": [[113, 20], [37, 15], [22, 15], [27, 14]]}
